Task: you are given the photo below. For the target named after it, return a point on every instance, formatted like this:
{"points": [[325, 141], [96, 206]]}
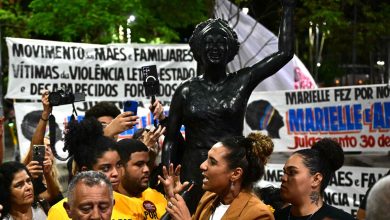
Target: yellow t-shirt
{"points": [[153, 203], [125, 208]]}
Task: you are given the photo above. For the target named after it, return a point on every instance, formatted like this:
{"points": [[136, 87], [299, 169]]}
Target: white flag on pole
{"points": [[258, 42]]}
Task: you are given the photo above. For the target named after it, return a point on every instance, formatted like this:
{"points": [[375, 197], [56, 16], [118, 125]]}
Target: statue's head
{"points": [[218, 32]]}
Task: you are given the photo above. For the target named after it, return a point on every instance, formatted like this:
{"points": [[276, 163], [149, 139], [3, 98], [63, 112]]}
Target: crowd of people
{"points": [[111, 179]]}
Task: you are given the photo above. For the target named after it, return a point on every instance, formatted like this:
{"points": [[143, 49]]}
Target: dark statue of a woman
{"points": [[212, 106]]}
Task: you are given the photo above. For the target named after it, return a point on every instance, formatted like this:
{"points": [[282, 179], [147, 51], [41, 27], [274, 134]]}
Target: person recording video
{"points": [[45, 178]]}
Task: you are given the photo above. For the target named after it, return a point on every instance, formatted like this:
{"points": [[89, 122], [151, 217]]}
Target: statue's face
{"points": [[215, 48]]}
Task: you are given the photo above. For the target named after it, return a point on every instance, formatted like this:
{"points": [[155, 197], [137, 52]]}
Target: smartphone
{"points": [[39, 154], [130, 106], [150, 80]]}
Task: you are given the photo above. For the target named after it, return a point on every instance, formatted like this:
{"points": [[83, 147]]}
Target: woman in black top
{"points": [[306, 175]]}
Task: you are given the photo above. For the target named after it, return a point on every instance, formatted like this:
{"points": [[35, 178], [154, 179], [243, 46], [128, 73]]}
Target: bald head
{"points": [[378, 201]]}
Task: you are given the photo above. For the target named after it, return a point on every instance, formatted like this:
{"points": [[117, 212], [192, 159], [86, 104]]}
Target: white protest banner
{"points": [[28, 114], [102, 72], [358, 117], [345, 190]]}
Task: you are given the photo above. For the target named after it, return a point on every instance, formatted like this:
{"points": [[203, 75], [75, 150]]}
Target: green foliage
{"points": [[329, 70], [367, 19], [13, 21], [78, 20], [161, 21], [97, 21]]}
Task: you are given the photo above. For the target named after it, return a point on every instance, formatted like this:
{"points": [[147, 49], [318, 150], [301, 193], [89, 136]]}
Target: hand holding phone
{"points": [[130, 106], [39, 154]]}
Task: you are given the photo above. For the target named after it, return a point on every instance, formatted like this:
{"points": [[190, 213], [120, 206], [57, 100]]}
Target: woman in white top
{"points": [[17, 193]]}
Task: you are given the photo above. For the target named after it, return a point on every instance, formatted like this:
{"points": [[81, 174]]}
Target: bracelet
{"points": [[44, 119]]}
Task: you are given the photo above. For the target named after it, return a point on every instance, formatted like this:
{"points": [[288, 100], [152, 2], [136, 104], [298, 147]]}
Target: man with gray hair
{"points": [[90, 196], [378, 201]]}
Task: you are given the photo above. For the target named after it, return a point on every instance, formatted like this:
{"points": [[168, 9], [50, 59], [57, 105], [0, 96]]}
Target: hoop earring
{"points": [[232, 184]]}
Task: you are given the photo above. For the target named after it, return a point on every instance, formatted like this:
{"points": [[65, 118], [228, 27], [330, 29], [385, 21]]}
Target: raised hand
{"points": [[158, 110], [122, 122], [171, 181], [48, 162], [150, 138], [35, 169], [45, 102]]}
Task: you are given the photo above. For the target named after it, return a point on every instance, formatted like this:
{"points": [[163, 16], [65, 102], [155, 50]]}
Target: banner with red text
{"points": [[345, 190], [103, 72], [358, 117]]}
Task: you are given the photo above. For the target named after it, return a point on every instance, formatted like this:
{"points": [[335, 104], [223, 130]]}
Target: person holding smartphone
{"points": [[113, 121], [122, 122], [44, 174]]}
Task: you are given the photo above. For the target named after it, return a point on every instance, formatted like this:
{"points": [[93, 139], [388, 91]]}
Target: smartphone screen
{"points": [[130, 106], [39, 154]]}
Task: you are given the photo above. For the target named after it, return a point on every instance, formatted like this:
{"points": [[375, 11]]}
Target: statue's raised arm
{"points": [[274, 62]]}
